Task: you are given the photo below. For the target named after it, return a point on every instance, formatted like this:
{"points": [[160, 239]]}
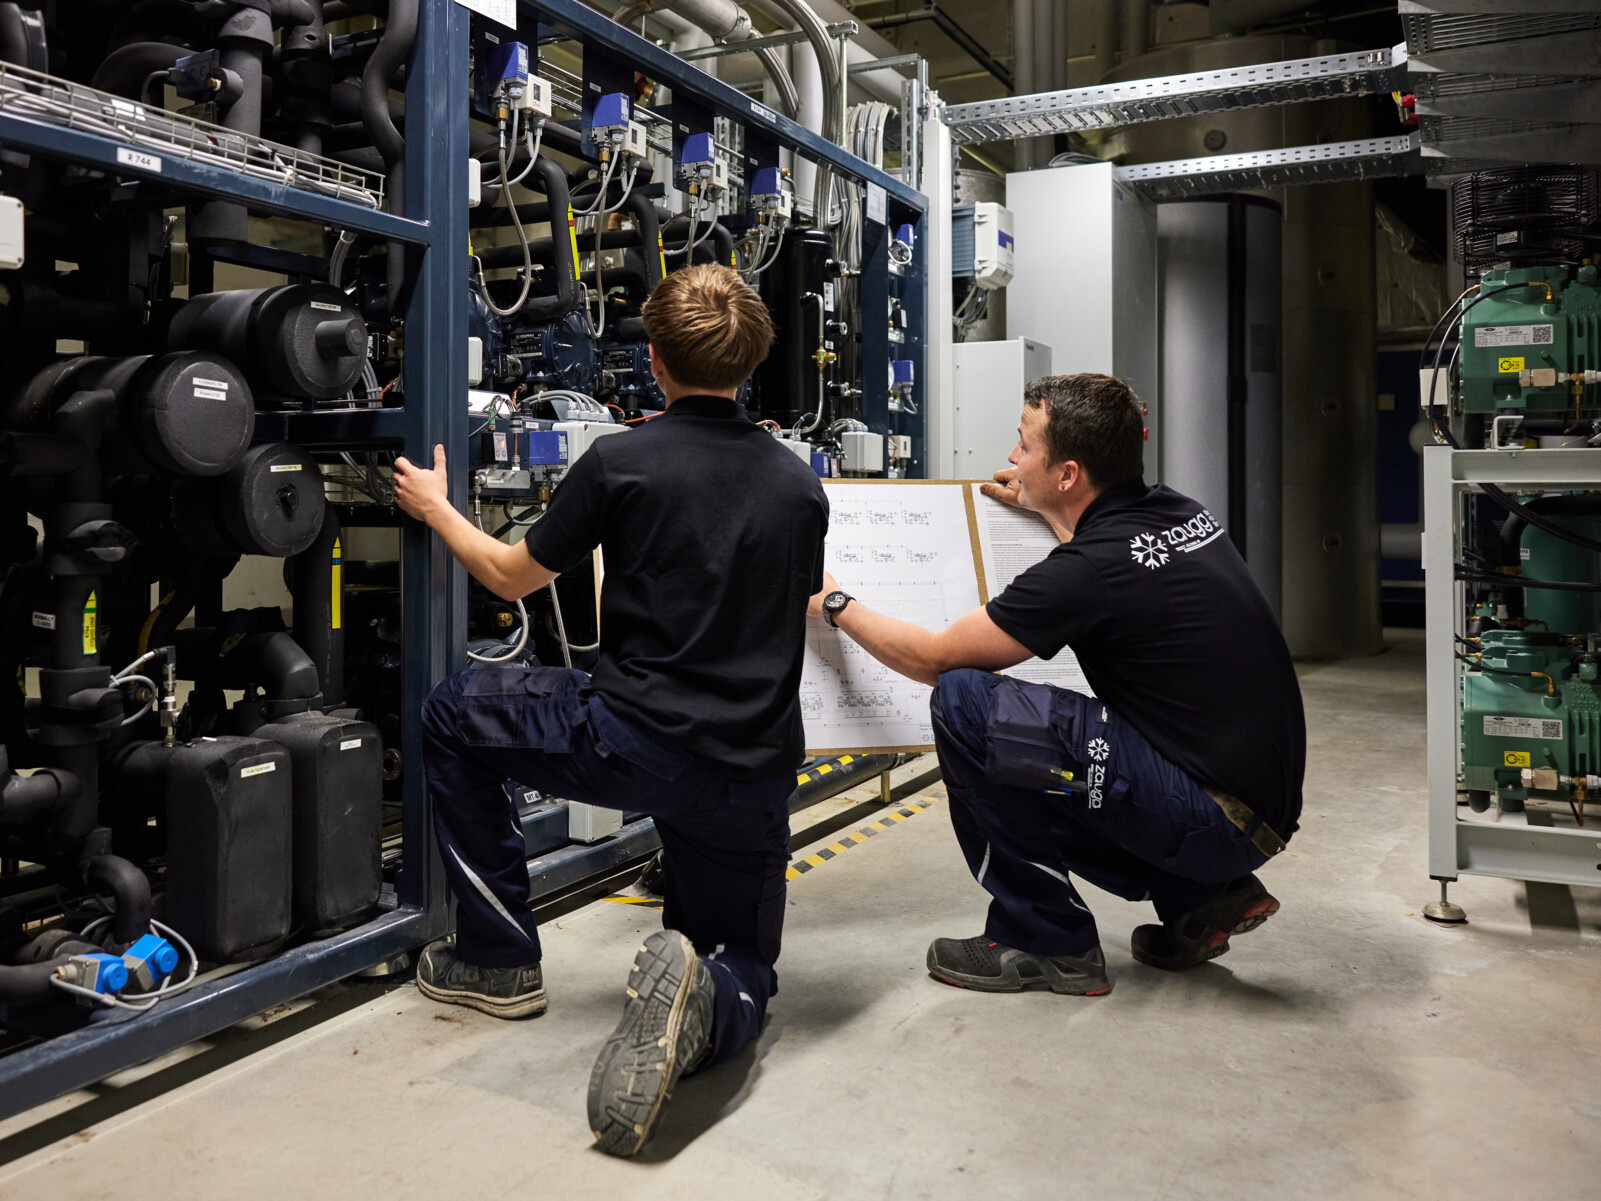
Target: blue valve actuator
{"points": [[904, 235], [150, 961], [901, 372], [101, 973], [698, 148], [768, 182], [507, 63], [611, 109]]}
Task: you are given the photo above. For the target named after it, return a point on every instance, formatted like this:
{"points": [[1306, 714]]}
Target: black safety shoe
{"points": [[666, 1026], [505, 992], [1203, 932], [987, 966]]}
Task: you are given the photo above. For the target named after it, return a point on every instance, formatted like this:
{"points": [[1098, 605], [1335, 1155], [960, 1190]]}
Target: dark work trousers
{"points": [[1143, 829], [726, 841]]}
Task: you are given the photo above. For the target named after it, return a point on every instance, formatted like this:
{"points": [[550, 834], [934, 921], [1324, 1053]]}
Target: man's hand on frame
{"points": [[1004, 488], [421, 492]]}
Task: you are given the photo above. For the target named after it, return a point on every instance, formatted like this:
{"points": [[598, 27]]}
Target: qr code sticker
{"points": [[1550, 729], [1544, 335]]}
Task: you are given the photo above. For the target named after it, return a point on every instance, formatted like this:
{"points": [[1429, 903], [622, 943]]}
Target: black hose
{"points": [[1582, 505], [545, 250], [553, 181], [1523, 581], [393, 53], [643, 210], [124, 71], [130, 887], [161, 20], [28, 984], [24, 799], [172, 608], [13, 42]]}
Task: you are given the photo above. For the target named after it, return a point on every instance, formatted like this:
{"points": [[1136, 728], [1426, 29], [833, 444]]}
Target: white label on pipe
{"points": [[211, 383], [284, 467], [44, 621], [350, 744], [259, 769], [139, 160], [1514, 335], [326, 307], [210, 394]]}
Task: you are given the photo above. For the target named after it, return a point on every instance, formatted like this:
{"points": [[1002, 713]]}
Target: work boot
{"points": [[665, 1032], [503, 992], [1203, 932], [987, 966]]}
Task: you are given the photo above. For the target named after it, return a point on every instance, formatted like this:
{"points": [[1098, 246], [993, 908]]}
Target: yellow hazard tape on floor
{"points": [[817, 858]]}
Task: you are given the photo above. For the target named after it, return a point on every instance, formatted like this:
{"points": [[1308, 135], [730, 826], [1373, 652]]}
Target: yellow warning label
{"points": [[662, 253], [1516, 758], [572, 232], [336, 601], [1510, 366], [91, 638]]}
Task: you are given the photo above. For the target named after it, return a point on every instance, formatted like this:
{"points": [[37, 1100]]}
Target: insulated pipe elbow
{"points": [[643, 210], [130, 887], [124, 71], [285, 671], [553, 181], [29, 983], [24, 799]]}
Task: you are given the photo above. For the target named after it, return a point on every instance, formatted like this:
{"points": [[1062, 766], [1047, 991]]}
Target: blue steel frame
{"points": [[434, 588]]}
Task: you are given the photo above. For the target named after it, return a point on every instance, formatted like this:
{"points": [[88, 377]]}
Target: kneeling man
{"points": [[1174, 782]]}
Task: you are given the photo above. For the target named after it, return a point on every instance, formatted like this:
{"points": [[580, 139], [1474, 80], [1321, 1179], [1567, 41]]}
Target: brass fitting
{"points": [[823, 358]]}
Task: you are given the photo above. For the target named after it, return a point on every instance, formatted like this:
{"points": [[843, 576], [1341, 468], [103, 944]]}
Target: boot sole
{"points": [[1217, 942], [637, 1067], [1014, 983], [528, 1005]]}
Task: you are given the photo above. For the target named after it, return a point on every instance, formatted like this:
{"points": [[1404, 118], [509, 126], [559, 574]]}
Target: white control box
{"points": [[475, 183], [535, 98], [993, 245], [862, 451], [475, 361], [11, 251], [591, 823], [581, 435]]}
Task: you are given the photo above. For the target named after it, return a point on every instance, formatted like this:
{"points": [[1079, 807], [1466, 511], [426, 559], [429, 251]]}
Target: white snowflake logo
{"points": [[1149, 550], [1098, 750]]}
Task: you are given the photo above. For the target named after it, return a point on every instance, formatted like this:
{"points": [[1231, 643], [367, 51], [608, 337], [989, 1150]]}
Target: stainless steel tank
{"points": [[1330, 514]]}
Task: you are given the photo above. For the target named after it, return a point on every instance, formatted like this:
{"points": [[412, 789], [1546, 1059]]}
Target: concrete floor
{"points": [[1346, 1050]]}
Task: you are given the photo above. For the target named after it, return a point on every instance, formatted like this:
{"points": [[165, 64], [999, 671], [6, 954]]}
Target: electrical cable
{"points": [[522, 238], [149, 705], [534, 137], [517, 649], [336, 261], [1523, 581]]}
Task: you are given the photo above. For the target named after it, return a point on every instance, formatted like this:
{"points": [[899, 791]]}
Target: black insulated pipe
{"points": [[29, 984], [123, 72], [393, 52], [317, 581], [245, 40], [131, 889]]}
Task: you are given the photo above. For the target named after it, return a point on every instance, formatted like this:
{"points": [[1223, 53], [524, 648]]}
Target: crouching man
{"points": [[713, 536], [1174, 782]]}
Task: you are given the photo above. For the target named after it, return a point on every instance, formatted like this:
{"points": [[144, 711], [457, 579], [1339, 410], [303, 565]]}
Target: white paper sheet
{"points": [[903, 549], [504, 11], [1011, 541]]}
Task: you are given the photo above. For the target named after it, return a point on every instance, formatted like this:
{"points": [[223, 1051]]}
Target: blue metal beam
{"points": [[92, 150], [336, 427], [37, 1074], [585, 25]]}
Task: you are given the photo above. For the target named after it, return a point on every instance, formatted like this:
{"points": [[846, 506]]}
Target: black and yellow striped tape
{"points": [[819, 857]]}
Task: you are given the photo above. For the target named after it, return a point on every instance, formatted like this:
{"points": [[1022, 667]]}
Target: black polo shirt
{"points": [[1174, 634], [712, 540]]}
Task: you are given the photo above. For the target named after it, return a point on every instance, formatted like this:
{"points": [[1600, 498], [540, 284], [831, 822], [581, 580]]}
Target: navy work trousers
{"points": [[726, 840], [1142, 829]]}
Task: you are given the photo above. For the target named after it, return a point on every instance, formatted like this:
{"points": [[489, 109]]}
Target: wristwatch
{"points": [[833, 605]]}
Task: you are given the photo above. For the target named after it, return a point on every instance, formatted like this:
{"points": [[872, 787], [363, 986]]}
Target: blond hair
{"points": [[708, 326]]}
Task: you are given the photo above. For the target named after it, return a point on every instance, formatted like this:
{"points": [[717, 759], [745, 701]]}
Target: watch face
{"points": [[835, 601]]}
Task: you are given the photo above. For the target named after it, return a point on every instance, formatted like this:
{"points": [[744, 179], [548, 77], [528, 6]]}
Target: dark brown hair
{"points": [[1094, 420], [708, 326]]}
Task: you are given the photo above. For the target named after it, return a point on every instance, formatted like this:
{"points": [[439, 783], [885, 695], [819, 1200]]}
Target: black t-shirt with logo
{"points": [[1173, 633], [712, 541]]}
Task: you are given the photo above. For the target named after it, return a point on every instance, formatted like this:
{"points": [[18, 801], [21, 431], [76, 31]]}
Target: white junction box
{"points": [[983, 247], [987, 394], [11, 255], [581, 435], [862, 451], [591, 823]]}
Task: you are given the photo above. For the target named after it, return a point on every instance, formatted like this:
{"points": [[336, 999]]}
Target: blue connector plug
{"points": [[98, 973]]}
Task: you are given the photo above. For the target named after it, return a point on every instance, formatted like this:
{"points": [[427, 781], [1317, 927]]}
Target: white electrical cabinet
{"points": [[987, 399], [1086, 284]]}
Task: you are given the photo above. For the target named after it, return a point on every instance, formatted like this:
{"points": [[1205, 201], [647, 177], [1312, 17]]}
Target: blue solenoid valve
{"points": [[99, 973], [768, 194], [900, 246], [150, 961]]}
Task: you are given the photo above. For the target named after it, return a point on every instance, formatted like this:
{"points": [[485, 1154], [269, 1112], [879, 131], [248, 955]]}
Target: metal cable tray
{"points": [[1263, 84], [46, 100]]}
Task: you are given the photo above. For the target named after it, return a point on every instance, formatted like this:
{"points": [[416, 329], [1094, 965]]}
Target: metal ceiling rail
{"points": [[1356, 74], [1329, 162]]}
